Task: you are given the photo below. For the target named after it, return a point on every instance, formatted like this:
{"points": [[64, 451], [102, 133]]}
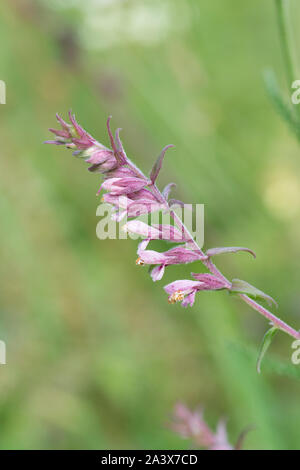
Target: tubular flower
{"points": [[177, 255], [185, 290]]}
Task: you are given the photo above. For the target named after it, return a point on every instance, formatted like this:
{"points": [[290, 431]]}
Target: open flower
{"points": [[176, 255], [131, 193], [185, 290]]}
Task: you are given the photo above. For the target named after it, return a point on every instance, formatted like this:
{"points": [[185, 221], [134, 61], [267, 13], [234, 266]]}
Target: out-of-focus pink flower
{"points": [[191, 425], [176, 255]]}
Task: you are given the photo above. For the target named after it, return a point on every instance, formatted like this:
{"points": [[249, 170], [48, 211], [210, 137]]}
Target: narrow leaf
{"points": [[267, 340], [242, 287], [158, 164], [279, 102], [121, 150], [229, 249]]}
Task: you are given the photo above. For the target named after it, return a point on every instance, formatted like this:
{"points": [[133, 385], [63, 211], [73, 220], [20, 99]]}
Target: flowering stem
{"points": [[213, 268]]}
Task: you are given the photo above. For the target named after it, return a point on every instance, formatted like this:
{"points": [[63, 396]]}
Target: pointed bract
{"points": [[158, 164]]}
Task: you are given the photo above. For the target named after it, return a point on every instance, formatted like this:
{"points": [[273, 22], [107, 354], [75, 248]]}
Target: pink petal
{"points": [[142, 246], [100, 156], [210, 282], [189, 299], [180, 255], [158, 272], [183, 285], [140, 228], [171, 233]]}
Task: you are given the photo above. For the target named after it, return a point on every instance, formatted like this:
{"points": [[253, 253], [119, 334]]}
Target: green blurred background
{"points": [[96, 358]]}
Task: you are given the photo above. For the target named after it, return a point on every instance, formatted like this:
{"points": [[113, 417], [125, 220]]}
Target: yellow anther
{"points": [[139, 262], [177, 296]]}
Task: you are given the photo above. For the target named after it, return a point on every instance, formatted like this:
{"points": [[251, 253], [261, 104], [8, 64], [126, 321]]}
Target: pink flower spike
{"points": [[142, 196], [100, 156]]}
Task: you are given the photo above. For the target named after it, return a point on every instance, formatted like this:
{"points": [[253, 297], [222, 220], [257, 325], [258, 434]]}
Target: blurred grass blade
{"points": [[266, 342], [282, 107]]}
